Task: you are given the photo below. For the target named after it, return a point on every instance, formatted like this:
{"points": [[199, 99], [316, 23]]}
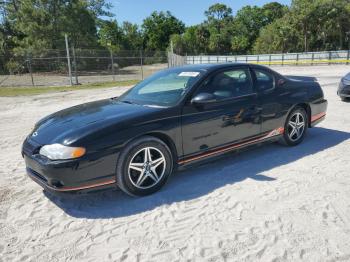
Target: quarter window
{"points": [[264, 80]]}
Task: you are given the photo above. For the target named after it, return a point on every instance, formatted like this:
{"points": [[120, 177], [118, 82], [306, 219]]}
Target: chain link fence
{"points": [[51, 67]]}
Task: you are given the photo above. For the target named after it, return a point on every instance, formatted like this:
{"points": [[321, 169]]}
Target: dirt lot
{"points": [[272, 203]]}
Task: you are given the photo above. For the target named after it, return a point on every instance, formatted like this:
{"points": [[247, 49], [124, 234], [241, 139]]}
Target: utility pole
{"points": [[141, 62], [68, 61], [348, 53]]}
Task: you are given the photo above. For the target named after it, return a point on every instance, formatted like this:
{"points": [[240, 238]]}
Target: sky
{"points": [[191, 12]]}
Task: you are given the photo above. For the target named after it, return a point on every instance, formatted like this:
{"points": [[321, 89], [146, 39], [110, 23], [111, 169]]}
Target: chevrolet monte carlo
{"points": [[173, 119]]}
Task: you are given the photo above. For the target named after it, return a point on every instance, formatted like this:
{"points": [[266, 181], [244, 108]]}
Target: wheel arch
{"points": [[165, 139], [307, 108]]}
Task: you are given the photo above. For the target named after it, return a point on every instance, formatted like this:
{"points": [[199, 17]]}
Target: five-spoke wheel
{"points": [[144, 166], [295, 127], [147, 167]]}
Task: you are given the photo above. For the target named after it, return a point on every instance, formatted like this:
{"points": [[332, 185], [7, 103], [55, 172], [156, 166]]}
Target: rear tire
{"points": [[344, 99], [144, 166], [295, 127]]}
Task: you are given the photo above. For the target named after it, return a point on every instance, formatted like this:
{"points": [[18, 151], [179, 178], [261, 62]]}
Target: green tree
{"points": [[272, 11], [218, 23], [249, 21], [158, 28], [308, 26], [110, 35], [132, 37], [218, 12], [43, 23]]}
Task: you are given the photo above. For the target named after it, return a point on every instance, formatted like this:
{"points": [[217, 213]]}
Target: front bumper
{"points": [[343, 90], [85, 174]]}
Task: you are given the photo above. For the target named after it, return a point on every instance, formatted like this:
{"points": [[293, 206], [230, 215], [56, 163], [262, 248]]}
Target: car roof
{"points": [[212, 67]]}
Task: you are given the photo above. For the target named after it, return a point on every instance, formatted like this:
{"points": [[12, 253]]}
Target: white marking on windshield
{"points": [[190, 74]]}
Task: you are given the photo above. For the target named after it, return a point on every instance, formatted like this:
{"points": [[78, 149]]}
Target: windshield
{"points": [[165, 88]]}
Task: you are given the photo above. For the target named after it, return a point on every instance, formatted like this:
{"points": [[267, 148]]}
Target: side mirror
{"points": [[281, 82], [203, 98]]}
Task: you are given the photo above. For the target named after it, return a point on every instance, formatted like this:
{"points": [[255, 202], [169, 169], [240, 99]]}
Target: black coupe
{"points": [[177, 117]]}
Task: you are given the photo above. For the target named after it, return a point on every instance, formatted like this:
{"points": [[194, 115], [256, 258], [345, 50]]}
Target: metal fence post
{"points": [[29, 60], [257, 59], [112, 68], [269, 60], [297, 59], [348, 57], [68, 61], [329, 57], [282, 59], [312, 59], [75, 66], [200, 59], [141, 60]]}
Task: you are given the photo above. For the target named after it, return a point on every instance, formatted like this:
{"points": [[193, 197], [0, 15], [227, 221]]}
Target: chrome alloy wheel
{"points": [[146, 167], [296, 126]]}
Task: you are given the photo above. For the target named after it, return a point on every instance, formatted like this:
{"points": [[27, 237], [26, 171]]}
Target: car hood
{"points": [[66, 125], [347, 77]]}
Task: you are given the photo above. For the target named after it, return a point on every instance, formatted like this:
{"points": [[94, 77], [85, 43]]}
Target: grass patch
{"points": [[27, 91]]}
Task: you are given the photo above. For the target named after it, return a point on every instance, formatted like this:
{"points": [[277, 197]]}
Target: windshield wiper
{"points": [[127, 102]]}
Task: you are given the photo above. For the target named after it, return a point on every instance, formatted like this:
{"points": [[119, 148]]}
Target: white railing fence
{"points": [[306, 58]]}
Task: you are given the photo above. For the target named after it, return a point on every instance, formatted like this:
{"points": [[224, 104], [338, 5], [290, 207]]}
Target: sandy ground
{"points": [[271, 203]]}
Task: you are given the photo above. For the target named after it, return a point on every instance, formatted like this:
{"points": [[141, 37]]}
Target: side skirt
{"points": [[271, 135]]}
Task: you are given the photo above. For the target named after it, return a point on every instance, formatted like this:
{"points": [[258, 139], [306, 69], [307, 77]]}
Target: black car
{"points": [[344, 88], [175, 118]]}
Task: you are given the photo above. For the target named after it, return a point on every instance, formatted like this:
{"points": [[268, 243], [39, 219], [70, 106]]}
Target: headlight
{"points": [[61, 152], [346, 82]]}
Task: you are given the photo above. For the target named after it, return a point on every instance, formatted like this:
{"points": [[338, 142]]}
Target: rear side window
{"points": [[264, 80]]}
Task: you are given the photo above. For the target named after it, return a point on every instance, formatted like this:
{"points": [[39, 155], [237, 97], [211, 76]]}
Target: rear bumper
{"points": [[318, 112]]}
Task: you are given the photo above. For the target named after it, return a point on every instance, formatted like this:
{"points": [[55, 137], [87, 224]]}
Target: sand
{"points": [[271, 203]]}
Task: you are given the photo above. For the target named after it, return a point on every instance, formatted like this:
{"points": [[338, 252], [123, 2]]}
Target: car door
{"points": [[270, 99], [232, 116]]}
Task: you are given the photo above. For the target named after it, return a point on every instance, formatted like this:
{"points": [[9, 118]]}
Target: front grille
{"points": [[37, 175], [30, 147], [345, 91]]}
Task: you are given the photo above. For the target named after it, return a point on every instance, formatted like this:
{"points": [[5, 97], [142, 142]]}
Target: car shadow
{"points": [[201, 180]]}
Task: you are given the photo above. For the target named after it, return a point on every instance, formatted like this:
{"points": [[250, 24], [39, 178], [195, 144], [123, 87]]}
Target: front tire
{"points": [[295, 127], [144, 166]]}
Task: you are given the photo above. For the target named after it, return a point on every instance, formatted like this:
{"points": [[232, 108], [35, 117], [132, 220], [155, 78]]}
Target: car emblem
{"points": [[35, 134]]}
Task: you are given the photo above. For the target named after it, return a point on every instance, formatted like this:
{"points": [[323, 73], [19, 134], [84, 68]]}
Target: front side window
{"points": [[228, 84], [165, 88], [264, 80]]}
